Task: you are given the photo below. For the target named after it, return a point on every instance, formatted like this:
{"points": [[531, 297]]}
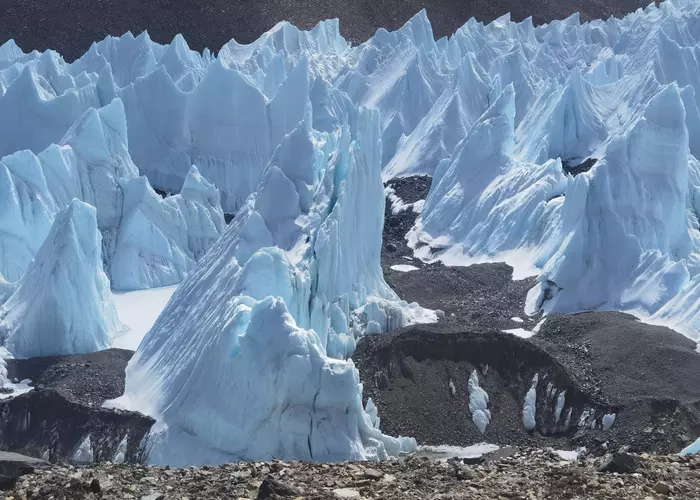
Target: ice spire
{"points": [[63, 304]]}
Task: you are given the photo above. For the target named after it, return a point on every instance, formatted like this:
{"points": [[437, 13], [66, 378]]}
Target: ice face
{"points": [[478, 403], [84, 454], [582, 170], [530, 406], [445, 124], [272, 310], [63, 304], [147, 241]]}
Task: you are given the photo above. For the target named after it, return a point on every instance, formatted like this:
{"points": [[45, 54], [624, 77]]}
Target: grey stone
{"points": [[14, 465], [622, 463], [95, 485], [271, 488], [662, 488], [154, 496], [373, 474]]}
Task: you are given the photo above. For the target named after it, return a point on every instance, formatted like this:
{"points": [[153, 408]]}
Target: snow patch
{"points": [[445, 452], [570, 455], [520, 332], [403, 268], [398, 205], [138, 311]]}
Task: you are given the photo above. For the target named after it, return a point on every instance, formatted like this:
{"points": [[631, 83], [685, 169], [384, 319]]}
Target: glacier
{"points": [[581, 169], [267, 318], [569, 150]]}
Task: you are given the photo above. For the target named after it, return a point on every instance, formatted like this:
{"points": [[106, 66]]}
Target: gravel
{"points": [[87, 379], [481, 297], [65, 406], [525, 474]]}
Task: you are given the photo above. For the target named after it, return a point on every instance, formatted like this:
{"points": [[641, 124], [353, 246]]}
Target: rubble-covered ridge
{"points": [[506, 473]]}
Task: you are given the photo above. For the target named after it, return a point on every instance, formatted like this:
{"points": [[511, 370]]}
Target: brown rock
{"points": [[662, 488]]}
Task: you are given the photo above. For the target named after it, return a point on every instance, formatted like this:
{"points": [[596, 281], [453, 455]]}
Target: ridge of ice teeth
{"points": [[147, 241], [568, 149]]}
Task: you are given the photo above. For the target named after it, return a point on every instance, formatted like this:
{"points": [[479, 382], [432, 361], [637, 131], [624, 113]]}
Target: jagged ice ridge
{"points": [[568, 149]]}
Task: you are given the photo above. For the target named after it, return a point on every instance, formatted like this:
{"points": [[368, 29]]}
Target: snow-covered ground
{"points": [[520, 332], [445, 452], [138, 310], [403, 268]]}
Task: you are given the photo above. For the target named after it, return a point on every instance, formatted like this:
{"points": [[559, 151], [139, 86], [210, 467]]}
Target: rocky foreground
{"points": [[507, 473]]}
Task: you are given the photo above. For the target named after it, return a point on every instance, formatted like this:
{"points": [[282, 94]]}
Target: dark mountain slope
{"points": [[71, 26]]}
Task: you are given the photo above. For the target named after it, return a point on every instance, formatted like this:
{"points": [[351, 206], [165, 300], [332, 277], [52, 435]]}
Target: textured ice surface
{"points": [[247, 359], [63, 304], [692, 448], [551, 147], [582, 161], [147, 241], [608, 420], [530, 406], [120, 454], [561, 401], [84, 454], [10, 389], [478, 403]]}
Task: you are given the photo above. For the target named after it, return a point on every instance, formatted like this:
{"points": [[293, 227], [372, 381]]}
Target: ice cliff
{"points": [[147, 241], [249, 355], [581, 168], [62, 305]]}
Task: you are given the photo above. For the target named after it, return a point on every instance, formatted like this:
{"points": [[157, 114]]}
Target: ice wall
{"points": [[582, 170], [63, 304], [258, 332], [147, 241]]}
